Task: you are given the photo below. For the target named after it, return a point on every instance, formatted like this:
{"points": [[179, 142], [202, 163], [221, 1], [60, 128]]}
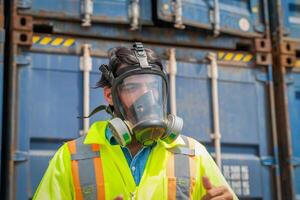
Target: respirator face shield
{"points": [[140, 99]]}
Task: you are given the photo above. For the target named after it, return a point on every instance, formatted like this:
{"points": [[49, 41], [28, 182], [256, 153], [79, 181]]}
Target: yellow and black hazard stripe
{"points": [[297, 63], [53, 41], [235, 57]]}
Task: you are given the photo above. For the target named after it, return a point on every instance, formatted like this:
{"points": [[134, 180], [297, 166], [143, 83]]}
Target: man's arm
{"points": [[57, 181]]}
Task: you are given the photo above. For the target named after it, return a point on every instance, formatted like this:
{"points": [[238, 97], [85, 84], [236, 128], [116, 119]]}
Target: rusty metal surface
{"points": [[287, 47], [150, 34], [1, 14], [263, 59], [22, 23], [262, 45], [282, 57], [22, 37], [287, 60]]}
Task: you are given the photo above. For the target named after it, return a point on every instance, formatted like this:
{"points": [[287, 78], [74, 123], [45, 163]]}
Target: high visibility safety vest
{"points": [[90, 168]]}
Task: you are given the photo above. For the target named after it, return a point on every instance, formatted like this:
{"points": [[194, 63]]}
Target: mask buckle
{"points": [[141, 55]]}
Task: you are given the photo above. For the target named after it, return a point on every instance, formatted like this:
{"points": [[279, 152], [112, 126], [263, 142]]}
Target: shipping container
{"points": [[239, 22], [244, 116], [290, 10], [50, 88], [293, 89], [241, 18]]}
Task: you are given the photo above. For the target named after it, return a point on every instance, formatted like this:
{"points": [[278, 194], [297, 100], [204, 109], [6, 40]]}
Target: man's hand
{"points": [[215, 193]]}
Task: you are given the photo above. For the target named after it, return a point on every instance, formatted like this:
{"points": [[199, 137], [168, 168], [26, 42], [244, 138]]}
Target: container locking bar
{"points": [[177, 6], [172, 71], [216, 21], [86, 67], [216, 136], [87, 8], [134, 14]]}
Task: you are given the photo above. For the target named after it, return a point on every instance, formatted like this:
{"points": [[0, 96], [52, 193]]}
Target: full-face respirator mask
{"points": [[139, 95]]}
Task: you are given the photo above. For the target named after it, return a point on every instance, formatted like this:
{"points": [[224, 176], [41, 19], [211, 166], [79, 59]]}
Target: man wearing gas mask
{"points": [[140, 152]]}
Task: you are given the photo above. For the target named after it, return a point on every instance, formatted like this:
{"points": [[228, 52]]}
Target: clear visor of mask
{"points": [[142, 98]]}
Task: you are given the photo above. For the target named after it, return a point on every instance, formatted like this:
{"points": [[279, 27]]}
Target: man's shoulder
{"points": [[196, 145]]}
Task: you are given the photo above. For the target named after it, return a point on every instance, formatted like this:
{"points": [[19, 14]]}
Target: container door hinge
{"points": [[24, 4], [263, 51], [87, 7], [22, 60], [268, 161], [20, 156], [287, 54], [295, 161]]}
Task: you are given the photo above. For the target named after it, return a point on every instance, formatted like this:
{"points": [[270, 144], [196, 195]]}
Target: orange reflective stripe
{"points": [[95, 147], [99, 174], [171, 178], [99, 178], [72, 146], [75, 172]]}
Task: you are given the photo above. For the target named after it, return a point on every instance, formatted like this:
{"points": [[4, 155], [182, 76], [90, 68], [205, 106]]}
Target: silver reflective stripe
{"points": [[88, 155], [183, 150], [87, 179], [86, 169], [182, 174]]}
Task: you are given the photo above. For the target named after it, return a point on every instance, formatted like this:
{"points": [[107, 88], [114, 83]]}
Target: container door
{"points": [[294, 110], [117, 11], [244, 120], [236, 17], [50, 101], [291, 18]]}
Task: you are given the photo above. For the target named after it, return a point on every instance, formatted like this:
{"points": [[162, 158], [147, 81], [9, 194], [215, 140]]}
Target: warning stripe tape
{"points": [[236, 57], [297, 64], [53, 41]]}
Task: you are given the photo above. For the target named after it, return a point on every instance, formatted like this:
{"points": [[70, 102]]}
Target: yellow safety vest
{"points": [[91, 168]]}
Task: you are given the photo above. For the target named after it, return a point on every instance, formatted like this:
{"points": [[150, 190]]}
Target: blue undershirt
{"points": [[138, 162]]}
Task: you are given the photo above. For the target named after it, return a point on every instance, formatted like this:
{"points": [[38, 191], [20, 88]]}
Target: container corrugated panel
{"points": [[293, 80], [244, 18], [50, 99], [291, 18], [113, 19], [244, 121]]}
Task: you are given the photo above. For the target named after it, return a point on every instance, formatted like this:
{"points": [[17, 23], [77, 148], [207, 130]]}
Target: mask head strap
{"points": [[107, 73], [140, 54]]}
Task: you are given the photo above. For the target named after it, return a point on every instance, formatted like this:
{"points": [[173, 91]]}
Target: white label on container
{"points": [[237, 177], [244, 24], [294, 20]]}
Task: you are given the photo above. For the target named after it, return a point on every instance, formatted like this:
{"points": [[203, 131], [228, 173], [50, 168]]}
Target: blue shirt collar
{"points": [[109, 136]]}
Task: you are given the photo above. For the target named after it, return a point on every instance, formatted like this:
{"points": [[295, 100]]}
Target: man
{"points": [[139, 153]]}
